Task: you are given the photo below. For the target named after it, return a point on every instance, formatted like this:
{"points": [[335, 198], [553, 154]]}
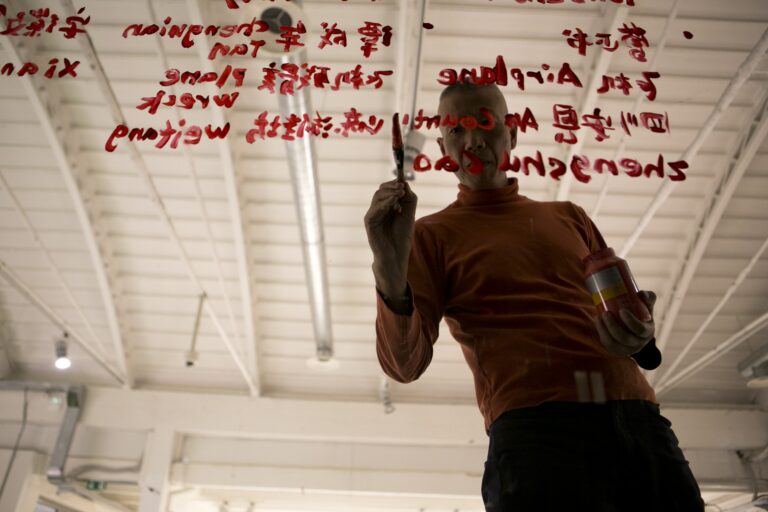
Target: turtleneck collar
{"points": [[505, 194]]}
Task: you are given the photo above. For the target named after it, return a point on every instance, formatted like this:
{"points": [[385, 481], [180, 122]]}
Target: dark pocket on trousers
{"points": [[664, 441], [489, 488]]}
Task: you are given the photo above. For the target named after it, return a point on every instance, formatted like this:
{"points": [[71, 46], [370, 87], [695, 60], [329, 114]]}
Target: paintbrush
{"points": [[397, 147]]}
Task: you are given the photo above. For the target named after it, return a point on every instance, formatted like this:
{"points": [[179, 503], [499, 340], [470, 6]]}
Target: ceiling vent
{"points": [[285, 14]]}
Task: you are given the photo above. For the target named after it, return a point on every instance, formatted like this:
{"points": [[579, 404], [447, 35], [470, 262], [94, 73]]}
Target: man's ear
{"points": [[440, 143], [513, 137]]}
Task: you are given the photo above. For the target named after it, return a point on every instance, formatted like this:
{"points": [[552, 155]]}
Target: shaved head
{"points": [[468, 86], [479, 151]]}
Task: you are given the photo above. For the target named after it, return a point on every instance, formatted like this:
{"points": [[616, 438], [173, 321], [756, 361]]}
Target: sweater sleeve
{"points": [[404, 341], [595, 239]]}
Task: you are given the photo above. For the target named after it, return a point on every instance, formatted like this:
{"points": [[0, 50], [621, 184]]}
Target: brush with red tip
{"points": [[397, 147]]}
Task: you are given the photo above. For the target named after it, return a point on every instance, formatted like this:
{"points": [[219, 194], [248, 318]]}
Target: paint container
{"points": [[611, 284]]}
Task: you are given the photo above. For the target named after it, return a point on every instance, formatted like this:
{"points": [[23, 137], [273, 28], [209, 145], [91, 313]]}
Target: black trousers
{"points": [[620, 456]]}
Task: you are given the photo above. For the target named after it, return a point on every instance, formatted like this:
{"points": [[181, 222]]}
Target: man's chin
{"points": [[487, 179], [489, 171]]}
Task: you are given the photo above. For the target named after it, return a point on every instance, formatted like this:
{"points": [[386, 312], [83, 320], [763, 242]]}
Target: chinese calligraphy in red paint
{"points": [[567, 119], [42, 21], [369, 37], [33, 23], [294, 77], [372, 35], [297, 126], [631, 36]]}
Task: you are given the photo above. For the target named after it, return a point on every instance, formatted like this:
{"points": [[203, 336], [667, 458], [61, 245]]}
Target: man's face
{"points": [[489, 146]]}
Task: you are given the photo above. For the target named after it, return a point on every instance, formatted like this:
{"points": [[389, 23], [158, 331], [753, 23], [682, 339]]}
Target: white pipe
{"points": [[732, 342], [738, 163], [57, 320], [759, 456], [34, 89], [590, 99], [731, 289], [408, 65], [639, 100], [419, 27], [302, 162], [400, 67], [730, 93], [101, 78]]}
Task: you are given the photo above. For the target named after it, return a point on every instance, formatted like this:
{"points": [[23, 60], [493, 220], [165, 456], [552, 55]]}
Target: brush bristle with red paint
{"points": [[397, 147]]}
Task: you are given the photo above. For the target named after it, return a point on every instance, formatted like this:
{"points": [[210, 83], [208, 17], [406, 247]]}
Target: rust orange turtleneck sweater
{"points": [[506, 272]]}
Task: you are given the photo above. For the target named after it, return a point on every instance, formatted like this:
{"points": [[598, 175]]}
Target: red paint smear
{"points": [[397, 137], [580, 166], [30, 68]]}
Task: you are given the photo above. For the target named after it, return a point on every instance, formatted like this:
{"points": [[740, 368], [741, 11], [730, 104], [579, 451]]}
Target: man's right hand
{"points": [[389, 224]]}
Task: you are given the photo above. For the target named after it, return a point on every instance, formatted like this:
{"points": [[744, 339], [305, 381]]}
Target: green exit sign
{"points": [[96, 485]]}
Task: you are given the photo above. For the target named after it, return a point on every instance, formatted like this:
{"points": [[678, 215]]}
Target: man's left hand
{"points": [[626, 335]]}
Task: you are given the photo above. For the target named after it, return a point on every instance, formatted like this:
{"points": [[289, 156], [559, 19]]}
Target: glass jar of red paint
{"points": [[611, 285]]}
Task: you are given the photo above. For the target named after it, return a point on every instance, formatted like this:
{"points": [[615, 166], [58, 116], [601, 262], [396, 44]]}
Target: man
{"points": [[573, 424]]}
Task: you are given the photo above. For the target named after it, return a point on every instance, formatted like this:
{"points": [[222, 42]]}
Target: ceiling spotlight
{"points": [[62, 361]]}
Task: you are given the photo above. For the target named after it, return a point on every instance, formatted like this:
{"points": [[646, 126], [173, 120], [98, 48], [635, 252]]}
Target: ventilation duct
{"points": [[302, 162]]}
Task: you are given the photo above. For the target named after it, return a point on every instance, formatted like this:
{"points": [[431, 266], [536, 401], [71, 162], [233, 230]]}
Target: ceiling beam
{"points": [[412, 424], [724, 189], [60, 322], [713, 355], [7, 364], [237, 210], [243, 443], [50, 259], [639, 100], [38, 490], [731, 91], [154, 491], [95, 238], [20, 492], [91, 56], [431, 472]]}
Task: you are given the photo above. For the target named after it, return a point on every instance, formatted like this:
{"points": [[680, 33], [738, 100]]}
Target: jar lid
{"points": [[598, 255]]}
